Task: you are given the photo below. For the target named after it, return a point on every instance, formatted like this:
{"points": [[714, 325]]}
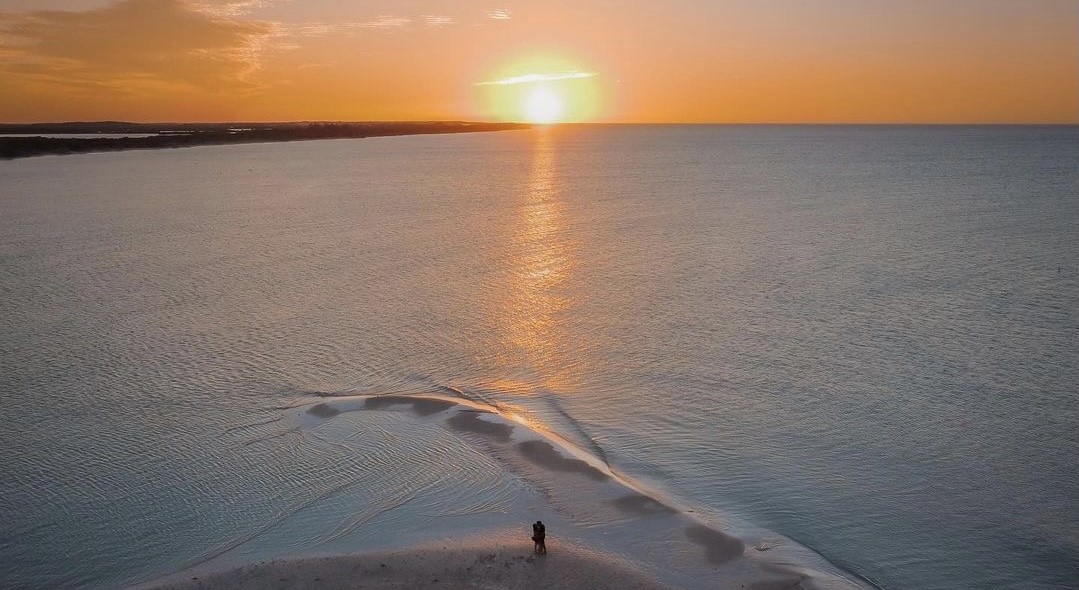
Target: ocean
{"points": [[854, 347]]}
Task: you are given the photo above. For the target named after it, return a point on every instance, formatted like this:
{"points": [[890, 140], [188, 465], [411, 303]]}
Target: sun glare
{"points": [[542, 105], [541, 89]]}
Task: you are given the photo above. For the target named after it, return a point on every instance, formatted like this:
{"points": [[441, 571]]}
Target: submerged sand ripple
{"points": [[323, 411], [421, 406], [543, 454], [718, 547], [641, 505], [470, 422]]}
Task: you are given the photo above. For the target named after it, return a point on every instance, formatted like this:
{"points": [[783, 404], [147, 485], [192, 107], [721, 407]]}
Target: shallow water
{"points": [[858, 340]]}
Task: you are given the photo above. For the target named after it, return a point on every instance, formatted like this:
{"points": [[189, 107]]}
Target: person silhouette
{"points": [[539, 537]]}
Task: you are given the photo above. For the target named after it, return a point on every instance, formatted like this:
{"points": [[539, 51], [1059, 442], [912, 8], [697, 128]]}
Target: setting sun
{"points": [[541, 89], [542, 105]]}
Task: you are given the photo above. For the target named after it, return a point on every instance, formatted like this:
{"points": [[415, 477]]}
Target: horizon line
{"points": [[568, 123]]}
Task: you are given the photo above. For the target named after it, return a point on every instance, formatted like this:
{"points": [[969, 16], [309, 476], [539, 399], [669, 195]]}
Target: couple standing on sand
{"points": [[539, 535]]}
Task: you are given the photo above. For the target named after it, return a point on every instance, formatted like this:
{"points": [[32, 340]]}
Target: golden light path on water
{"points": [[542, 258]]}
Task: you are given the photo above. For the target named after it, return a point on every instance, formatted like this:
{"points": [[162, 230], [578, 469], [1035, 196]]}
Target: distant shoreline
{"points": [[166, 135]]}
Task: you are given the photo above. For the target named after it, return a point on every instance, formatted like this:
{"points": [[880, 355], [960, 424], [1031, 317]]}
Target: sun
{"points": [[541, 89], [542, 106]]}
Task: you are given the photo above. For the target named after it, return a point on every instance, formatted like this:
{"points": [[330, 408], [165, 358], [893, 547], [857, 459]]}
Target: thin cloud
{"points": [[322, 29], [131, 46], [384, 22], [232, 8], [530, 78], [498, 14], [434, 20]]}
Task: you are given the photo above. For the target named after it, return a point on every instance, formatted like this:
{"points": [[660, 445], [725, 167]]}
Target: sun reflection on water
{"points": [[542, 258]]}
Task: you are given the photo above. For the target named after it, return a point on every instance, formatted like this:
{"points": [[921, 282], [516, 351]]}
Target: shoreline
{"points": [[635, 540], [165, 137], [644, 541]]}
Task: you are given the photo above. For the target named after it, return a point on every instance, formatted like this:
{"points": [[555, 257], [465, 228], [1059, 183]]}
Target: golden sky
{"points": [[723, 61]]}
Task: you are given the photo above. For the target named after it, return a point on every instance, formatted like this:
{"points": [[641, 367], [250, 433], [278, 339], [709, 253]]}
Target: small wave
{"points": [[251, 425]]}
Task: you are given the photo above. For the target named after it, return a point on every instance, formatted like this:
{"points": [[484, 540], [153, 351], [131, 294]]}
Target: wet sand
{"points": [[504, 563]]}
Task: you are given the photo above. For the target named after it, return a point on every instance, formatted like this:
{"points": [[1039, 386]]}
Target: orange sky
{"points": [[727, 61]]}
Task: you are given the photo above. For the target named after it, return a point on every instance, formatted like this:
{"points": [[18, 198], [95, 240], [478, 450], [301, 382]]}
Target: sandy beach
{"points": [[501, 562], [641, 541], [496, 560]]}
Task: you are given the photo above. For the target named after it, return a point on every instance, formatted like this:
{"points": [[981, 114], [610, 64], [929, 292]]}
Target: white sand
{"points": [[487, 565]]}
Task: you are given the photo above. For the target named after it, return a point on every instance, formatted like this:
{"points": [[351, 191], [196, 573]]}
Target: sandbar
{"points": [[496, 563]]}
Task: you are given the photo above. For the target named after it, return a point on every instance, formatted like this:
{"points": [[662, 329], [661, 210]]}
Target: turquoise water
{"points": [[856, 343]]}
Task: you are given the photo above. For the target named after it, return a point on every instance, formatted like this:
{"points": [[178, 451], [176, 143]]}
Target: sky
{"points": [[633, 61]]}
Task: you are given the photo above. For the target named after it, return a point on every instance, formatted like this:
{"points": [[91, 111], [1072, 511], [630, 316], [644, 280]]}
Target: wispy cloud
{"points": [[387, 21], [232, 8], [131, 45], [499, 14], [323, 29], [530, 78], [435, 20]]}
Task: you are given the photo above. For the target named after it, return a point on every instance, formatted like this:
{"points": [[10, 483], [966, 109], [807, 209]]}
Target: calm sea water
{"points": [[862, 340]]}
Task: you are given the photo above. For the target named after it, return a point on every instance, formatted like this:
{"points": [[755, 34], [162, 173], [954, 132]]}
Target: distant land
{"points": [[173, 135]]}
